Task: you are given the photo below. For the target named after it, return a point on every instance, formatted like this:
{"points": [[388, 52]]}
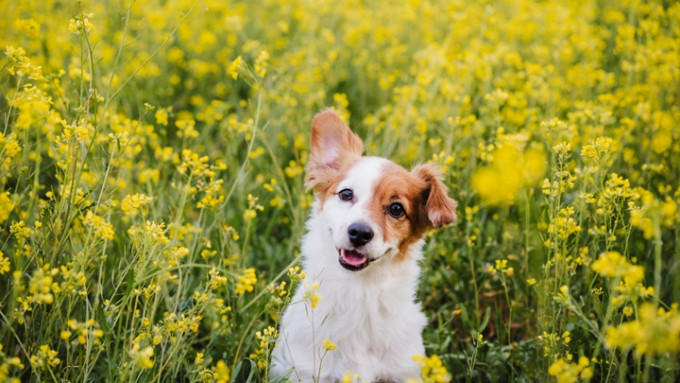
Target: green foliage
{"points": [[152, 194]]}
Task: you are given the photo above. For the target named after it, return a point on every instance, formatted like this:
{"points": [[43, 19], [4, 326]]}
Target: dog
{"points": [[356, 312]]}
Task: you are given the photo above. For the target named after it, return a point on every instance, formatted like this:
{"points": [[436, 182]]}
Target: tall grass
{"points": [[152, 180]]}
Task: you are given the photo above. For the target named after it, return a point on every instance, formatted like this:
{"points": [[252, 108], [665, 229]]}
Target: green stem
{"points": [[658, 244]]}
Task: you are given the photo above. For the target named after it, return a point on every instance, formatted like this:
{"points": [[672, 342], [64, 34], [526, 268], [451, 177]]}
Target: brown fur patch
{"points": [[424, 198], [398, 185]]}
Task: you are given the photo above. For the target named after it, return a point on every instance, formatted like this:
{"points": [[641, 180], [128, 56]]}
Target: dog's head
{"points": [[373, 208]]}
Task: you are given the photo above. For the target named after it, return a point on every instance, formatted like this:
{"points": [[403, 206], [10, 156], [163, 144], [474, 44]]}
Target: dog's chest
{"points": [[372, 320]]}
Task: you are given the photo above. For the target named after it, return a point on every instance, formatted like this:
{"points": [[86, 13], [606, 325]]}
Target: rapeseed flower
{"points": [[266, 339], [613, 265], [45, 357], [567, 372], [235, 67], [6, 206], [142, 356], [349, 377], [101, 227], [328, 345], [222, 374], [131, 204], [81, 24], [310, 296], [431, 369], [4, 263], [657, 331], [261, 64], [246, 282], [509, 171], [83, 149]]}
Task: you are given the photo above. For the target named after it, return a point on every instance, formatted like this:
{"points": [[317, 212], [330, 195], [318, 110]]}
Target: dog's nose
{"points": [[359, 234]]}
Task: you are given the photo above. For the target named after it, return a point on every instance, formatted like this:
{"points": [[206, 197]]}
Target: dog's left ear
{"points": [[439, 208]]}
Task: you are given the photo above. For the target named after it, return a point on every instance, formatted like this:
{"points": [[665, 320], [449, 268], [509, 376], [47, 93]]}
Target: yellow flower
{"points": [[249, 214], [20, 65], [102, 229], [15, 361], [328, 345], [4, 263], [235, 67], [598, 149], [509, 171], [261, 64], [28, 27], [6, 206], [11, 148], [349, 377], [186, 128], [669, 212], [566, 337], [40, 287], [81, 24], [45, 357], [253, 208], [655, 332], [564, 225], [161, 116], [567, 372], [142, 357], [613, 265], [431, 369], [131, 204], [222, 374], [246, 282], [310, 294]]}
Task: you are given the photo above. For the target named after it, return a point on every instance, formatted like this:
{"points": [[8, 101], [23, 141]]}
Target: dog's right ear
{"points": [[440, 209], [333, 147]]}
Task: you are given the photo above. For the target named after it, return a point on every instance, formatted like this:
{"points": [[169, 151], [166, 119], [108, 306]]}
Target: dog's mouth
{"points": [[353, 260]]}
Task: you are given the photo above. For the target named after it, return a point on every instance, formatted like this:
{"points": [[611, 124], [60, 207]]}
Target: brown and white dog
{"points": [[361, 254]]}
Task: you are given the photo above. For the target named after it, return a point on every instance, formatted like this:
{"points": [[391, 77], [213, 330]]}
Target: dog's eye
{"points": [[396, 210], [346, 194]]}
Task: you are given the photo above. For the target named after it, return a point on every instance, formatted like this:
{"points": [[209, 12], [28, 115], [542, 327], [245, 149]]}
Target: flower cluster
{"points": [[153, 198], [246, 282], [510, 170], [431, 369], [568, 372], [657, 331]]}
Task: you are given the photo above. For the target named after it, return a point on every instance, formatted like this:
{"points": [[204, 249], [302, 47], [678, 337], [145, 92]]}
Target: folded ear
{"points": [[333, 146], [439, 208]]}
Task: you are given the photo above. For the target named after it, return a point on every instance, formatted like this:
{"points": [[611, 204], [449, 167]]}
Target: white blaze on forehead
{"points": [[362, 177]]}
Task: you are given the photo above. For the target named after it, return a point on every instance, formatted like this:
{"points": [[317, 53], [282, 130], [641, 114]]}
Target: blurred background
{"points": [[152, 160]]}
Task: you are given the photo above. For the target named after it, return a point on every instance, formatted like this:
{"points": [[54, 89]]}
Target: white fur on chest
{"points": [[371, 316]]}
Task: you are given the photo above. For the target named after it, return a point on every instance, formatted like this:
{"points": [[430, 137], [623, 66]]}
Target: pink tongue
{"points": [[353, 258]]}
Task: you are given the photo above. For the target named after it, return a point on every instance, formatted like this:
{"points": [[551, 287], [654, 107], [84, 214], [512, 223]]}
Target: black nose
{"points": [[359, 234]]}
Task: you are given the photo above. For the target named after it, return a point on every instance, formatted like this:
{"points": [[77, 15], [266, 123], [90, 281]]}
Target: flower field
{"points": [[152, 194]]}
